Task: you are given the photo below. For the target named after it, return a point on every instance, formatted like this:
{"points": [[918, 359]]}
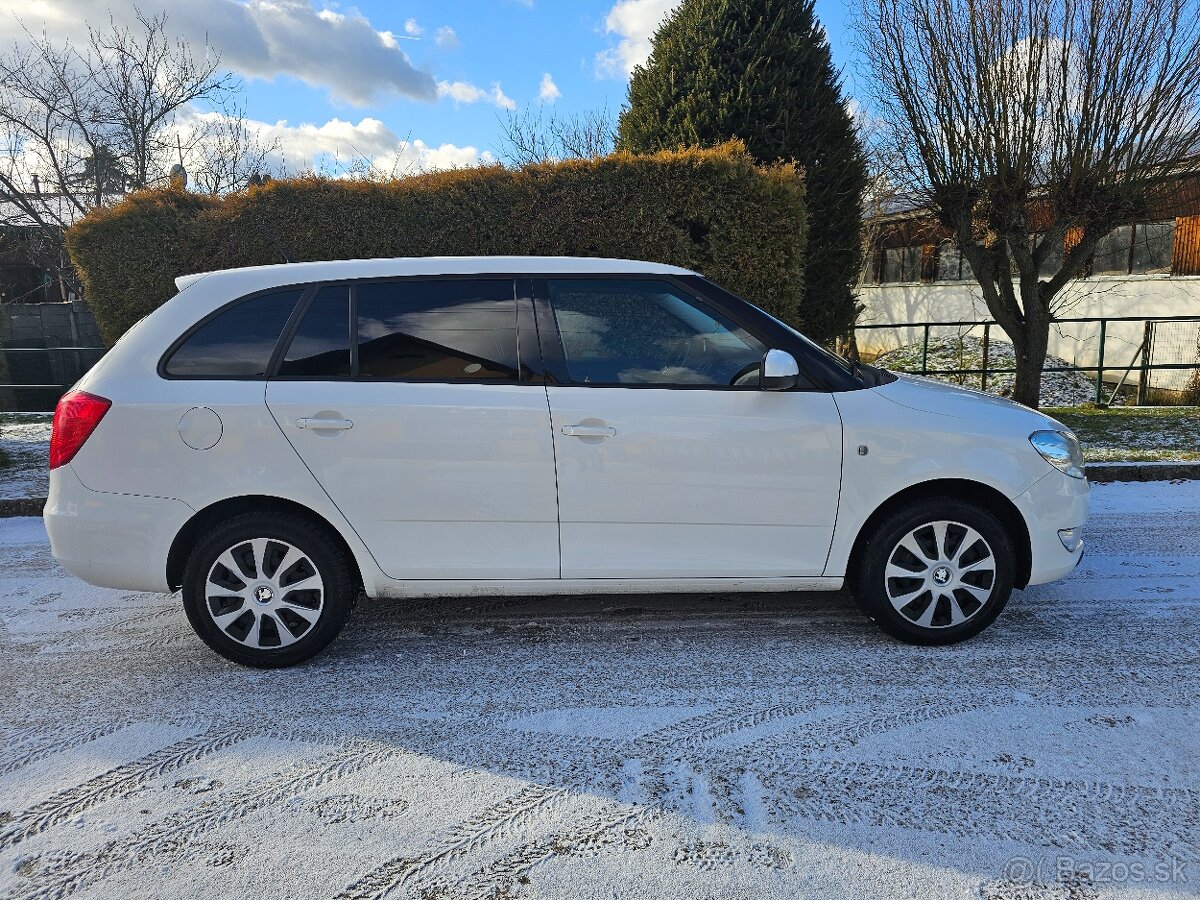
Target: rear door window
{"points": [[438, 330], [238, 342], [321, 345]]}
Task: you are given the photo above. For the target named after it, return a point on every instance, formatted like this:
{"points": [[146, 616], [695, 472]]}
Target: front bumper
{"points": [[1053, 502], [111, 540]]}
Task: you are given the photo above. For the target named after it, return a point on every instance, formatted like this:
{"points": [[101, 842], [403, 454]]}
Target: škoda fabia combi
{"points": [[274, 440]]}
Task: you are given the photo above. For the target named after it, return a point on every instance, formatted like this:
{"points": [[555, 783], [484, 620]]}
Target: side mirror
{"points": [[779, 372]]}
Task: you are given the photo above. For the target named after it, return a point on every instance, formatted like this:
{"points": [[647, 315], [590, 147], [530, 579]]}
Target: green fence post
{"points": [[1100, 364], [925, 352], [1143, 391]]}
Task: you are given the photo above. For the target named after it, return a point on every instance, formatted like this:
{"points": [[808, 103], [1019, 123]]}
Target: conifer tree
{"points": [[761, 71]]}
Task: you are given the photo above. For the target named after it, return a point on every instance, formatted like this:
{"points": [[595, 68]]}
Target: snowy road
{"points": [[716, 747]]}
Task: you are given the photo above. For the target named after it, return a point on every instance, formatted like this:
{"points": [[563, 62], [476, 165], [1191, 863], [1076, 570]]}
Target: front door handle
{"points": [[600, 431], [325, 424]]}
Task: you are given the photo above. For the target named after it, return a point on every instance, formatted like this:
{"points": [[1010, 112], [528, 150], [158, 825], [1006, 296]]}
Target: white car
{"points": [[274, 440]]}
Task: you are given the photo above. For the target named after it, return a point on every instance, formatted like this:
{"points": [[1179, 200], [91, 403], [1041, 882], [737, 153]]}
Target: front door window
{"points": [[627, 332]]}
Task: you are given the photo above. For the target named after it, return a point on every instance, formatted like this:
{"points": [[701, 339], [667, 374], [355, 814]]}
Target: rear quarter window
{"points": [[237, 342]]}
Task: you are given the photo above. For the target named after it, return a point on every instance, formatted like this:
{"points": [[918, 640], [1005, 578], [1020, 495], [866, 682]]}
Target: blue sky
{"points": [[338, 79], [502, 41]]}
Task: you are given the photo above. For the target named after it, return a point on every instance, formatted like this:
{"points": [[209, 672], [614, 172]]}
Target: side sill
{"points": [[543, 587]]}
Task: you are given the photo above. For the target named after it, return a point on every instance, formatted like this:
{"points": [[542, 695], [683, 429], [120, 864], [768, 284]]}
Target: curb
{"points": [[1143, 471]]}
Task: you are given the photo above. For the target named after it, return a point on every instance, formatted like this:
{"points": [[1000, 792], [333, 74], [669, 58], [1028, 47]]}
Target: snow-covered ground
{"points": [[952, 354], [25, 444], [719, 747]]}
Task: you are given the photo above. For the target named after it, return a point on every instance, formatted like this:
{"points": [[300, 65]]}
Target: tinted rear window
{"points": [[321, 347], [444, 330], [238, 342]]}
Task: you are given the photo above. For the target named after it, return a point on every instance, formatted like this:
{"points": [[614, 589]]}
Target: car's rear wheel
{"points": [[268, 590], [936, 571]]}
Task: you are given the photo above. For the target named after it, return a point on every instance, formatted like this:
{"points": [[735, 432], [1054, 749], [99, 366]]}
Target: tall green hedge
{"points": [[711, 210]]}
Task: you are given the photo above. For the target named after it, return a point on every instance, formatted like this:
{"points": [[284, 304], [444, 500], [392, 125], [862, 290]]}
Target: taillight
{"points": [[75, 418]]}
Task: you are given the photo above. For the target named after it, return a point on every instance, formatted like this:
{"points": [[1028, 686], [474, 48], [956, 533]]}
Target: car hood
{"points": [[938, 398]]}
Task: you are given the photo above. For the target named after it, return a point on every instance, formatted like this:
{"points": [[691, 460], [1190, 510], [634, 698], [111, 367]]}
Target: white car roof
{"points": [[258, 277]]}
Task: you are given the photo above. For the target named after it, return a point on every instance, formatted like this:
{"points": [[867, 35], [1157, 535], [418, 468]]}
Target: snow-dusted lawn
{"points": [[24, 455], [1135, 433], [723, 747]]}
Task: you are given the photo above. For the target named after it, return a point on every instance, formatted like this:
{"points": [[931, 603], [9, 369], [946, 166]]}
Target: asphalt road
{"points": [[707, 747]]}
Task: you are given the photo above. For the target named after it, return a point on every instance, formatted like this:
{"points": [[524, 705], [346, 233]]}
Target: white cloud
{"points": [[412, 29], [445, 38], [635, 22], [499, 98], [461, 91], [548, 91], [465, 92], [339, 147], [342, 52]]}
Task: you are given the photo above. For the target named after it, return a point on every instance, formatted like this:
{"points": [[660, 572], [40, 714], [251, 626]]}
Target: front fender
{"points": [[888, 448]]}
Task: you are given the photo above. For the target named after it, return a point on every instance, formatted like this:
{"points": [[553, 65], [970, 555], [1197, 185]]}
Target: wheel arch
{"points": [[957, 489], [194, 528]]}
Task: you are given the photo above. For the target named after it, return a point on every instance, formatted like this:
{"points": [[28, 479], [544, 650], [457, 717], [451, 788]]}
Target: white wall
{"points": [[1104, 295]]}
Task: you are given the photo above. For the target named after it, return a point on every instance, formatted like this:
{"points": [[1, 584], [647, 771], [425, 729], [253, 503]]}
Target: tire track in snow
{"points": [[27, 733], [467, 837], [835, 734], [19, 759], [696, 731], [1088, 815], [117, 782], [173, 836], [594, 834]]}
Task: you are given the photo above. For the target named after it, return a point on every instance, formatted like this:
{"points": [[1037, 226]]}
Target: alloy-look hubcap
{"points": [[940, 574], [264, 593]]}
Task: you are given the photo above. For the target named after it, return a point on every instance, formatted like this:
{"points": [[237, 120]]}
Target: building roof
{"points": [[257, 277]]}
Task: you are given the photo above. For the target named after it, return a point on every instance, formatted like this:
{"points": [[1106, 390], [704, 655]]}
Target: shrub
{"points": [[711, 210]]}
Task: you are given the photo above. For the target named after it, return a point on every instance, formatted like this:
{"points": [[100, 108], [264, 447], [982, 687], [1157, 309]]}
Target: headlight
{"points": [[1061, 450]]}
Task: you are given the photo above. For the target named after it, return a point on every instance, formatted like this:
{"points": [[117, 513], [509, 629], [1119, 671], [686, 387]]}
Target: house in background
{"points": [[915, 274]]}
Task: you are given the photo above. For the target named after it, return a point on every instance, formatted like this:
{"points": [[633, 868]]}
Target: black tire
{"points": [[869, 583], [323, 550]]}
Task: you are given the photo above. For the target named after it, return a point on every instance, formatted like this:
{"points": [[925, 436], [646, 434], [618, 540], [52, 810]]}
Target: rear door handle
{"points": [[600, 431], [325, 424]]}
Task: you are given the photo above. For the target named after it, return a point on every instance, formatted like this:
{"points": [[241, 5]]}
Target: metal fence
{"points": [[1166, 359]]}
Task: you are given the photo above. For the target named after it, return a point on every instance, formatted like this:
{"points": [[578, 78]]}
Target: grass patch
{"points": [[1168, 433]]}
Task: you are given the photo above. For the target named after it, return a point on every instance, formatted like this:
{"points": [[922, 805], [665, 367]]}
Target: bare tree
{"points": [[82, 124], [536, 135], [222, 154], [116, 99], [1017, 123]]}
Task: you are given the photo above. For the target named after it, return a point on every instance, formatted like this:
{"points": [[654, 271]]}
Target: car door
{"points": [[672, 463], [414, 403]]}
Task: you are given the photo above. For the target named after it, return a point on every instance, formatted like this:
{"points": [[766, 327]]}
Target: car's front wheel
{"points": [[268, 590], [936, 571]]}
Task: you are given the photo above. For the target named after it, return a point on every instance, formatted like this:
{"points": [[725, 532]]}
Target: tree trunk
{"points": [[1030, 348], [1028, 387]]}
